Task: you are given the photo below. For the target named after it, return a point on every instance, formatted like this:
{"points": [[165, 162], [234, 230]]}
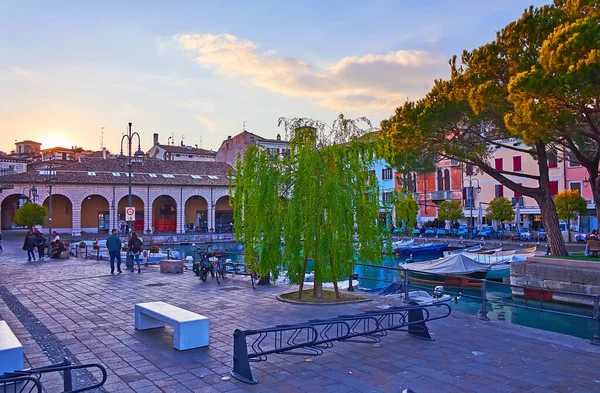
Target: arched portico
{"points": [[62, 212], [9, 207], [223, 215], [164, 214], [138, 204], [95, 214], [196, 214]]}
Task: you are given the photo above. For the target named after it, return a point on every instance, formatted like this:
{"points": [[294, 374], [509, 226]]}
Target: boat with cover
{"points": [[461, 250], [425, 248], [437, 270]]}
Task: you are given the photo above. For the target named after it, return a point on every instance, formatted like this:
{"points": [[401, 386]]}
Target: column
{"points": [[148, 215], [211, 217], [76, 221], [181, 218]]}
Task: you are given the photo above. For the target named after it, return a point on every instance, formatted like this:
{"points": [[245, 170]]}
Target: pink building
{"points": [[577, 179]]}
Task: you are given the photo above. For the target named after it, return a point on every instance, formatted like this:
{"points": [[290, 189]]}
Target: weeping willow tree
{"points": [[319, 199]]}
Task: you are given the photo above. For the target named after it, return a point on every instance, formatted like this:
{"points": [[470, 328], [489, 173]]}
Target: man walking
{"points": [[113, 243], [41, 244]]}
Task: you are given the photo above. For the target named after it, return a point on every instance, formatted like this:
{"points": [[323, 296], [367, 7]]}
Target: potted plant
{"points": [[154, 248], [82, 245], [95, 246]]}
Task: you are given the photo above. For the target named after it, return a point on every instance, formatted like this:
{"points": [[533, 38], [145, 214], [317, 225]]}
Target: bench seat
{"points": [[11, 350], [191, 330]]}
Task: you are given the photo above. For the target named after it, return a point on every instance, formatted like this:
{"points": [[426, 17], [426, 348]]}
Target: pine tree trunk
{"points": [[550, 220], [568, 230], [303, 277], [595, 186]]}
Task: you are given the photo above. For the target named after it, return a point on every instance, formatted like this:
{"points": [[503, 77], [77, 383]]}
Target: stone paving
{"points": [[86, 313]]}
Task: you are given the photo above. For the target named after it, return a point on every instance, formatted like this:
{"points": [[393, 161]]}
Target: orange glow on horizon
{"points": [[55, 139]]}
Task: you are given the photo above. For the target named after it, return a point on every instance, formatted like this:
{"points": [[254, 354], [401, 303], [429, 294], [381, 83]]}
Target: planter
{"points": [[96, 247]]}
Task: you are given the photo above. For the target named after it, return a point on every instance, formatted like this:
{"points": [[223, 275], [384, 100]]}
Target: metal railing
{"points": [[541, 296]]}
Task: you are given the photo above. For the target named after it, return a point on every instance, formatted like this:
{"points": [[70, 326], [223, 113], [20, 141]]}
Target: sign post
{"points": [[130, 213]]}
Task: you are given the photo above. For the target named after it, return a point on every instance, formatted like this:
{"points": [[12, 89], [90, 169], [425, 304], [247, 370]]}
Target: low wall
{"points": [[557, 274]]}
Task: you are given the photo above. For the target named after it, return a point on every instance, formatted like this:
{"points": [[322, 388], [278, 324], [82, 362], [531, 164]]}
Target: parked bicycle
{"points": [[209, 264], [239, 268]]}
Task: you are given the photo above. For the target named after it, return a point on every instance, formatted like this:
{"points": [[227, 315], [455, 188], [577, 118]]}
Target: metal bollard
{"points": [[596, 321], [483, 315], [406, 295]]}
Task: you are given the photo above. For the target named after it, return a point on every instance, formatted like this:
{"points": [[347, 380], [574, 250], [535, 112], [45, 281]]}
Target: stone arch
{"points": [[95, 214], [196, 214], [8, 208], [138, 203], [164, 214], [223, 215], [62, 211]]}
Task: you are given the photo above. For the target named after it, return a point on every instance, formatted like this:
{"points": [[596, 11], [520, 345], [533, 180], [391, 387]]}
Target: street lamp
{"points": [[137, 159], [32, 193], [471, 196], [50, 183]]}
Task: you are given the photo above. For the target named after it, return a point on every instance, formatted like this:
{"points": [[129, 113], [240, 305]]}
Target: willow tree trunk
{"points": [[335, 286], [303, 277], [550, 219], [317, 283]]}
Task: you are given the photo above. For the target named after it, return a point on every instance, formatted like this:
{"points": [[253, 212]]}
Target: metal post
{"points": [[129, 201], [406, 293], [350, 287], [596, 321], [483, 315], [50, 212]]}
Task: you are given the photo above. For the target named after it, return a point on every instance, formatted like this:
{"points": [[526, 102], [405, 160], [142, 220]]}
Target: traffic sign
{"points": [[130, 213]]}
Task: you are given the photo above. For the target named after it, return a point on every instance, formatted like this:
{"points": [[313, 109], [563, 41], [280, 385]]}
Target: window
{"points": [[196, 177], [552, 160], [46, 172], [517, 164], [573, 161], [553, 187], [440, 180], [386, 197], [213, 177], [469, 169], [116, 174], [517, 194], [386, 174], [152, 174], [575, 186], [447, 180], [498, 164], [499, 191], [168, 176], [372, 174], [91, 173]]}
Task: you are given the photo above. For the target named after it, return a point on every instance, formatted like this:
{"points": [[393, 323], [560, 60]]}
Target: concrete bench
{"points": [[11, 350], [593, 247], [191, 330], [171, 266]]}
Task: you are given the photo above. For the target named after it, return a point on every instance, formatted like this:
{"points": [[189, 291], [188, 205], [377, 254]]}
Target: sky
{"points": [[74, 73]]}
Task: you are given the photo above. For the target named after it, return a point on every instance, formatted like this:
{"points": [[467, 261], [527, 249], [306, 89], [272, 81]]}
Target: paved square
{"points": [[77, 308]]}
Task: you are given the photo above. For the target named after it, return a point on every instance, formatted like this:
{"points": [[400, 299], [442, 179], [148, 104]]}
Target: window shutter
{"points": [[517, 163], [554, 187], [518, 195], [498, 164]]}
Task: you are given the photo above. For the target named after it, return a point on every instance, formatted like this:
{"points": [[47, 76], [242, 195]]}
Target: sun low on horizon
{"points": [[55, 139]]}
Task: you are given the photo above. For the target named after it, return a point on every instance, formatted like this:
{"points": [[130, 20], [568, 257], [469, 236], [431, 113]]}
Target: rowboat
{"points": [[425, 248]]}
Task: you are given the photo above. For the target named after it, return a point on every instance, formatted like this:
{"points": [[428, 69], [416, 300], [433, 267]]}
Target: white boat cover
{"points": [[454, 264]]}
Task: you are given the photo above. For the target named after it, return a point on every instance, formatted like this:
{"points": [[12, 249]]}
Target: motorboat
{"points": [[425, 248], [439, 269], [402, 243], [422, 298], [461, 250]]}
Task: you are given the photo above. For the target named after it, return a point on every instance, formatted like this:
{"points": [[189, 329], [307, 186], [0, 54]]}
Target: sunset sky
{"points": [[200, 69]]}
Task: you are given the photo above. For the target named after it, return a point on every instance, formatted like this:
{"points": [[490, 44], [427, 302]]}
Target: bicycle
{"points": [[237, 270]]}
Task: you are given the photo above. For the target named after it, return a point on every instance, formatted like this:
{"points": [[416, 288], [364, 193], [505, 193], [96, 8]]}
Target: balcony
{"points": [[445, 195]]}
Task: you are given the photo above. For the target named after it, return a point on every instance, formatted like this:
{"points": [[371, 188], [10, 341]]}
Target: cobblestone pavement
{"points": [[75, 308]]}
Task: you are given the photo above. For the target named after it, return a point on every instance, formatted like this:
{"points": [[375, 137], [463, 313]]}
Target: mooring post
{"points": [[241, 364], [483, 315], [596, 321]]}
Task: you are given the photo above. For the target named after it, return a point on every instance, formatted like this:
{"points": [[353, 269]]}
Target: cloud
{"points": [[371, 81], [210, 125]]}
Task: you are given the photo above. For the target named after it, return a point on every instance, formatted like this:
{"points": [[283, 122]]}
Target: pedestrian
{"points": [[29, 245], [113, 243], [40, 244], [135, 248], [592, 236], [55, 237], [1, 249]]}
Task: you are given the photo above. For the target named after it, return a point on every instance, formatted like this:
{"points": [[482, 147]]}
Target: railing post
{"points": [[483, 315], [596, 321], [406, 293], [67, 377], [241, 364]]}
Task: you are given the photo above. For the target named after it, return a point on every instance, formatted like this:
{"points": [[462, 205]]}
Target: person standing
{"points": [[113, 243], [135, 248], [29, 245], [1, 249], [40, 244]]}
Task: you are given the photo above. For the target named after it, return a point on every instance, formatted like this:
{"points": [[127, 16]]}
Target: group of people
{"points": [[36, 241], [134, 247]]}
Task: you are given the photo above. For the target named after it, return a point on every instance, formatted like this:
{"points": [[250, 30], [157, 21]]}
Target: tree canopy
{"points": [[30, 214], [500, 209], [316, 199], [406, 211], [450, 211]]}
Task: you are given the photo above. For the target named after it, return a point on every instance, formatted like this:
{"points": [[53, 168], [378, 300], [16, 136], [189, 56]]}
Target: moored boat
{"points": [[455, 265], [425, 248]]}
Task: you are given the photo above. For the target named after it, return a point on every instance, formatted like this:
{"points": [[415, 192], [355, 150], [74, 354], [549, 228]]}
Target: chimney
{"points": [[228, 136], [278, 137], [156, 139], [104, 152]]}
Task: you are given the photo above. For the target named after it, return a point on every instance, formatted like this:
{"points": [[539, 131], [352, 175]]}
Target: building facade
{"points": [[445, 184], [577, 178], [180, 152], [236, 146], [90, 195]]}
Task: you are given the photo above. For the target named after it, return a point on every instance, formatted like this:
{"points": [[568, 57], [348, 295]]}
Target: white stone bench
{"points": [[11, 350], [191, 330]]}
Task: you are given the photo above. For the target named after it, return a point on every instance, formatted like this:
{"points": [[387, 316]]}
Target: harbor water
{"points": [[501, 306]]}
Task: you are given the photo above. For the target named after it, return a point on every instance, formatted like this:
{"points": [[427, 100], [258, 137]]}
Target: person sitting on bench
{"points": [[57, 248]]}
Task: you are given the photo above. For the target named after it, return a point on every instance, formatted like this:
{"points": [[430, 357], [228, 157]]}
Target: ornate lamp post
{"points": [[471, 195], [32, 193], [50, 183], [136, 159]]}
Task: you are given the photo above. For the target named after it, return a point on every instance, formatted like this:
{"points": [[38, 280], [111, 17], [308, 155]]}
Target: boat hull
{"points": [[463, 280], [434, 248]]}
